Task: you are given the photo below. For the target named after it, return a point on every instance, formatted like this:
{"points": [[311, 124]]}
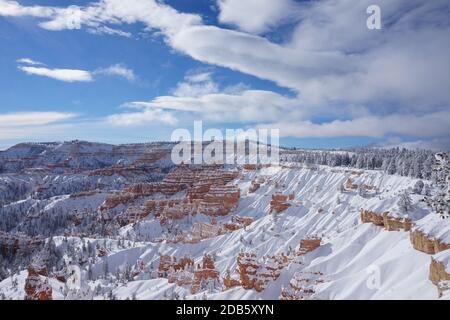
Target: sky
{"points": [[134, 71]]}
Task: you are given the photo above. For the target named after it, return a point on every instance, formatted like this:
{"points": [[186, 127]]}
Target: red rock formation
{"points": [[237, 223], [9, 243], [205, 273], [169, 264], [207, 193], [387, 221], [395, 224], [422, 242], [253, 167], [102, 252], [181, 277], [230, 282], [440, 276], [368, 216], [349, 185], [219, 201], [256, 275], [308, 245], [254, 187], [35, 287], [132, 215], [124, 170], [256, 184], [113, 200], [84, 194], [248, 267], [271, 270], [279, 202], [438, 272], [301, 286], [204, 231]]}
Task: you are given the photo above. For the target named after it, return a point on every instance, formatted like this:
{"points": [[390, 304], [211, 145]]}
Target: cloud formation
{"points": [[66, 75], [144, 117], [119, 70], [265, 14], [33, 67], [331, 62], [26, 124]]}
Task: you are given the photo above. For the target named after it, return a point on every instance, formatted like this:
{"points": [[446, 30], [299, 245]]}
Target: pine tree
{"points": [[404, 202]]}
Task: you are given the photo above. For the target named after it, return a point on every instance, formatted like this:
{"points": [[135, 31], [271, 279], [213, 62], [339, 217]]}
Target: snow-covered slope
{"points": [[265, 247]]}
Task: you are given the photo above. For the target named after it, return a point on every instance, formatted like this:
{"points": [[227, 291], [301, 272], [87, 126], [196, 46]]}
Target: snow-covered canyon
{"points": [[289, 231]]}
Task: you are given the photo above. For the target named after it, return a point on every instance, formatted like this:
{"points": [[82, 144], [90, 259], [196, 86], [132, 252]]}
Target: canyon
{"points": [[132, 225]]}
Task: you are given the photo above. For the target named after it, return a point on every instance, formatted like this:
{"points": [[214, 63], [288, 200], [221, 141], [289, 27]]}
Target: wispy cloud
{"points": [[33, 118], [67, 75], [119, 70], [32, 67], [330, 61], [21, 125], [196, 85], [30, 62], [265, 14], [144, 117]]}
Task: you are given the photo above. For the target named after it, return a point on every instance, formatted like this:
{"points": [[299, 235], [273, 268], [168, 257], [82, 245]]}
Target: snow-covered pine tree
{"points": [[404, 202]]}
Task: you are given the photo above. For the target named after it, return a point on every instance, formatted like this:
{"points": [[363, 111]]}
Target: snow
{"points": [[358, 261], [435, 227]]}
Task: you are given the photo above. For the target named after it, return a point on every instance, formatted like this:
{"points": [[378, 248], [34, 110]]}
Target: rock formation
{"points": [[301, 286], [279, 202], [422, 242], [368, 216], [248, 267], [205, 273], [35, 287], [308, 245], [219, 201], [349, 185]]}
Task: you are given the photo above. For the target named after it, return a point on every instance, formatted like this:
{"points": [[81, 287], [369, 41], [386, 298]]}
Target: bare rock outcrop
{"points": [[438, 272], [308, 245], [395, 223], [205, 273], [422, 242], [35, 287], [302, 286], [280, 202], [389, 222], [368, 216], [220, 200]]}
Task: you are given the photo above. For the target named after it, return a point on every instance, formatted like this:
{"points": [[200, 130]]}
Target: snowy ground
{"points": [[359, 261]]}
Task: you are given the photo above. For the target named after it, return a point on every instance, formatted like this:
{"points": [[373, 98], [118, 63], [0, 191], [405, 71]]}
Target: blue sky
{"points": [[105, 71]]}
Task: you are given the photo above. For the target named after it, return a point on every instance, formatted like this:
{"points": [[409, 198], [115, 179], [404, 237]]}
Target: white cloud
{"points": [[249, 106], [199, 77], [428, 125], [21, 125], [145, 117], [29, 62], [256, 16], [196, 85], [32, 67], [332, 55], [117, 70], [33, 118], [332, 61], [13, 8], [94, 16], [67, 75]]}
